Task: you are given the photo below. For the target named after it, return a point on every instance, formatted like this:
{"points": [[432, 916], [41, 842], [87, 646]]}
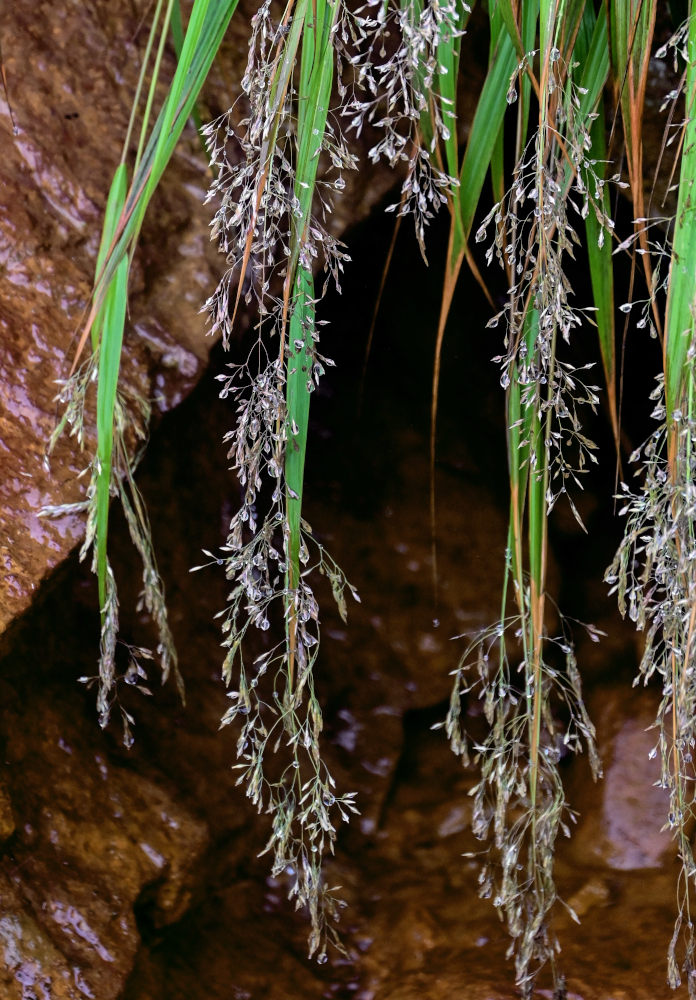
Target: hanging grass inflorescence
{"points": [[385, 73], [519, 800], [654, 570], [280, 163], [654, 575], [111, 474], [519, 803]]}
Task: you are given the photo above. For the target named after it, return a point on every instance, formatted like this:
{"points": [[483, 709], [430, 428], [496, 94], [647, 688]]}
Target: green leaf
{"points": [[114, 316], [681, 297]]}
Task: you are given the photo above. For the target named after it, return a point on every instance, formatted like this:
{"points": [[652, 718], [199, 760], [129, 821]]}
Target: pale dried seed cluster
{"points": [[654, 570], [654, 575], [390, 87], [534, 236], [131, 417], [518, 873], [255, 185], [519, 803], [385, 67]]}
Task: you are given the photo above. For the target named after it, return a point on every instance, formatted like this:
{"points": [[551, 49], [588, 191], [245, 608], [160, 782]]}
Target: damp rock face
{"points": [[623, 828], [90, 840], [71, 72]]}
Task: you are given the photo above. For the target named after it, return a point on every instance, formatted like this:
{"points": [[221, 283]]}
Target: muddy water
{"points": [[134, 874]]}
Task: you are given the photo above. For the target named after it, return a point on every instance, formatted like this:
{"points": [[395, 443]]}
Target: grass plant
{"points": [[548, 135], [653, 571]]}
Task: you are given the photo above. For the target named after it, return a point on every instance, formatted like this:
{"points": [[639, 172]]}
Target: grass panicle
{"points": [[520, 803], [279, 170], [653, 572], [118, 419], [321, 75]]}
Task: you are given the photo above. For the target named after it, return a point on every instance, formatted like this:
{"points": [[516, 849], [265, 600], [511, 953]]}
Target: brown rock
{"points": [[623, 815], [95, 840], [69, 82], [7, 822], [71, 73], [390, 554], [31, 964], [443, 984]]}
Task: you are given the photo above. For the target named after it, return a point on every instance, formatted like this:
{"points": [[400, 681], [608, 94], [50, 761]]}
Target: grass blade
{"points": [[599, 252], [632, 27], [204, 34], [299, 368], [108, 339], [314, 93], [681, 296]]}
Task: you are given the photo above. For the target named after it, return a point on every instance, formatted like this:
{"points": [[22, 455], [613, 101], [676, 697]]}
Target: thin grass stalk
{"points": [[152, 34], [632, 25], [154, 80], [653, 571], [527, 809], [104, 329]]}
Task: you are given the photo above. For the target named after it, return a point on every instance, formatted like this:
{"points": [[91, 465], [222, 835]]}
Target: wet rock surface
{"points": [[625, 832], [71, 72], [187, 910], [94, 840], [134, 875]]}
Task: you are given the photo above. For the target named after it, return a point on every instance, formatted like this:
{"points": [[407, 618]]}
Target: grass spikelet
{"points": [[653, 571], [520, 803], [104, 329], [318, 75]]}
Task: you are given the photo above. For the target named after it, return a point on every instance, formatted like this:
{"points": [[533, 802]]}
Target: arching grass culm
{"points": [[556, 130]]}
